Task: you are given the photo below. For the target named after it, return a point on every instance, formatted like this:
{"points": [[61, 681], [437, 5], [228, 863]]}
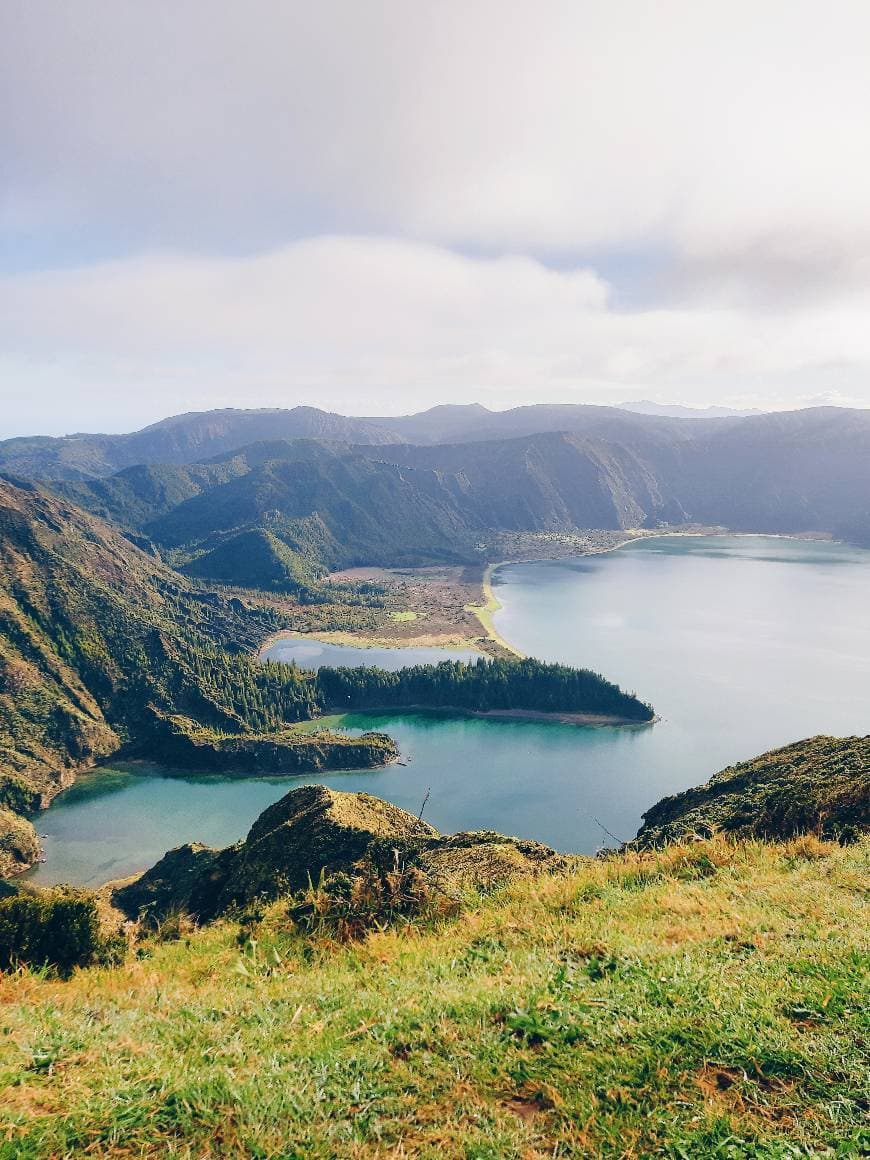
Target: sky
{"points": [[375, 206]]}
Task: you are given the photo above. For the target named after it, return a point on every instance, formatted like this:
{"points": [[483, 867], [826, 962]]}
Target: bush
{"points": [[349, 906], [58, 928], [18, 797]]}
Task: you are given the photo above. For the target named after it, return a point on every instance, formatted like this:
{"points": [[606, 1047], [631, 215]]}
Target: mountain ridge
{"points": [[199, 435], [282, 513]]}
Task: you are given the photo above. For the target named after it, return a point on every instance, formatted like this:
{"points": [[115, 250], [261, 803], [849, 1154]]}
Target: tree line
{"points": [[480, 686]]}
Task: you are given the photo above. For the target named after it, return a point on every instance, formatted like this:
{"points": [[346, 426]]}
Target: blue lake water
{"points": [[315, 654], [741, 644]]}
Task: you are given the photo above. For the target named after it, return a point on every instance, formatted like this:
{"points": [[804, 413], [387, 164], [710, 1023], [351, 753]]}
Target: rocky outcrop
{"points": [[313, 830], [821, 785], [180, 741], [19, 845]]}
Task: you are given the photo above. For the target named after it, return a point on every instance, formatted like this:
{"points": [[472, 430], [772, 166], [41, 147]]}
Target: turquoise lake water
{"points": [[741, 644]]}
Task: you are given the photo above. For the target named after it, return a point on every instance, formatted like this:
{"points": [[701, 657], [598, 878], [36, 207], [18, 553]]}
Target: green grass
{"points": [[704, 1001], [407, 614]]}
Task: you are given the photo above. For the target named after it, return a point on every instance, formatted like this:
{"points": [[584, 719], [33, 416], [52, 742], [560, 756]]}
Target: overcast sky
{"points": [[376, 206]]}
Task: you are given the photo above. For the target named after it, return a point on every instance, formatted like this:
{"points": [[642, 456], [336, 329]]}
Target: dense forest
{"points": [[481, 686]]}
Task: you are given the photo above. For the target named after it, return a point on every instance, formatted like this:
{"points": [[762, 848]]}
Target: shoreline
{"points": [[556, 717], [489, 606], [484, 611]]}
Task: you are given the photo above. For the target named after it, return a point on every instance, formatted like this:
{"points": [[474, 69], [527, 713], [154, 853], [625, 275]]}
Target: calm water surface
{"points": [[741, 643], [314, 654]]}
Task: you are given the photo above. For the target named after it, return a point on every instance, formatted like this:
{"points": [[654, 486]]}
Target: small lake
{"points": [[293, 648], [741, 643]]}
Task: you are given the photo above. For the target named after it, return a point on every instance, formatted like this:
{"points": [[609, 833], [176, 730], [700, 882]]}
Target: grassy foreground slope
{"points": [[702, 1001]]}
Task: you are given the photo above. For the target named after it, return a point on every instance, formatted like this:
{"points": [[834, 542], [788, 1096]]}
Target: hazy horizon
{"points": [[628, 404]]}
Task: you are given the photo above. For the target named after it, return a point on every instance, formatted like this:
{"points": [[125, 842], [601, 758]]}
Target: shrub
{"points": [[58, 928], [18, 797], [349, 906]]}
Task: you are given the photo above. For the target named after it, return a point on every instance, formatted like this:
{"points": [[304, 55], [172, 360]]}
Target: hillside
{"points": [[819, 786], [100, 645], [704, 1001]]}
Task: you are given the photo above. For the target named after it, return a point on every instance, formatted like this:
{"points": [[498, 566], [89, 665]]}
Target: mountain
{"points": [[199, 436], [103, 647], [279, 514], [677, 411], [178, 440]]}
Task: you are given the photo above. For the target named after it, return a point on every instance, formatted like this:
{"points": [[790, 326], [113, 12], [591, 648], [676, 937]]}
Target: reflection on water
{"points": [[741, 644]]}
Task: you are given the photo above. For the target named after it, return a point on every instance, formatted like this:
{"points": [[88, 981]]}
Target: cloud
{"points": [[378, 205], [563, 125], [372, 325]]}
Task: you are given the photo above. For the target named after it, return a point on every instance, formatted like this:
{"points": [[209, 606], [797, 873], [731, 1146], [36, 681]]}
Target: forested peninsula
{"points": [[506, 685]]}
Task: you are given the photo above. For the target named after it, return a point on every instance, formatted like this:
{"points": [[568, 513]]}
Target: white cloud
{"points": [[726, 137], [377, 325]]}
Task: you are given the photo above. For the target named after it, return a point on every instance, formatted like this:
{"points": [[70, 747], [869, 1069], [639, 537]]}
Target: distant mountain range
{"points": [[676, 411], [279, 513], [199, 436]]}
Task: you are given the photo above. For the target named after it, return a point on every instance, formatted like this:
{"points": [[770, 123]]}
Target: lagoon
{"points": [[741, 643], [307, 653]]}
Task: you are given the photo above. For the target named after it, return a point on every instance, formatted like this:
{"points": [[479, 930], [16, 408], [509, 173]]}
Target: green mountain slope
{"points": [[102, 646], [281, 513], [337, 506]]}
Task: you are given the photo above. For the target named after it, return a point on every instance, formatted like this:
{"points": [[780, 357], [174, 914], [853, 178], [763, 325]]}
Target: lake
{"points": [[742, 643], [293, 648]]}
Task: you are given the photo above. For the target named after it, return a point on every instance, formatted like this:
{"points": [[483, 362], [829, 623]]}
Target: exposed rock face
{"points": [[821, 785], [314, 829], [19, 845]]}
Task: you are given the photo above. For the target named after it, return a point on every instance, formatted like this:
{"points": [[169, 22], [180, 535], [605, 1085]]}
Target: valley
{"points": [[285, 709], [706, 624]]}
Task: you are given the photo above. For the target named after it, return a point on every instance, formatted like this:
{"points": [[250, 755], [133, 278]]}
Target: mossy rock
{"points": [[484, 859], [310, 830]]}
